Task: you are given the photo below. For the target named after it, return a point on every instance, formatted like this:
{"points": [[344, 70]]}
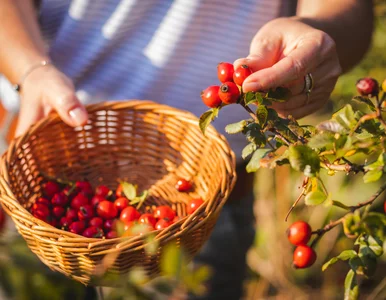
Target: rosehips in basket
{"points": [[229, 92], [2, 219], [72, 214], [40, 211], [162, 224], [96, 199], [50, 188], [85, 187], [77, 227], [164, 212], [304, 257], [225, 72], [210, 96], [44, 201], [138, 229], [53, 222], [240, 74], [106, 210], [102, 191], [97, 222], [86, 212], [70, 191], [93, 232], [299, 233], [147, 219], [119, 191], [109, 225], [193, 205], [65, 222], [59, 199], [111, 234], [183, 185], [78, 201], [367, 86], [121, 203], [129, 214], [58, 211]]}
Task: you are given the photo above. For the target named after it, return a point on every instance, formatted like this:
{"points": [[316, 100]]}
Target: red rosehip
{"points": [[86, 212], [72, 214], [65, 222], [93, 232], [225, 72], [111, 234], [299, 233], [119, 191], [102, 191], [304, 257], [106, 210], [2, 219], [85, 187], [240, 74], [193, 205], [129, 214], [109, 224], [78, 201], [147, 219], [59, 199], [210, 96], [121, 203], [183, 185], [97, 222], [58, 211], [162, 224], [367, 86], [77, 227], [50, 188], [44, 201], [71, 191], [164, 212], [53, 222], [96, 199], [229, 92], [40, 211]]}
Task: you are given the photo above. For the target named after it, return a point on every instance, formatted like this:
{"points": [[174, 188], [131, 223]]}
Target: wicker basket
{"points": [[138, 141]]}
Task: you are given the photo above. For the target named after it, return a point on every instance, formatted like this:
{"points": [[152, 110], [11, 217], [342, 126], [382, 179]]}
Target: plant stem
{"points": [[370, 200], [250, 112], [294, 204]]}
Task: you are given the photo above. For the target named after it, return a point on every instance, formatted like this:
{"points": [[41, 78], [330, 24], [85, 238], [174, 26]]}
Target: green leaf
{"points": [[375, 245], [345, 117], [286, 132], [356, 264], [365, 100], [280, 94], [322, 140], [253, 97], [207, 117], [254, 134], [130, 190], [373, 175], [339, 204], [302, 158], [254, 163], [351, 289], [262, 114], [332, 126], [315, 198], [172, 261], [375, 170], [248, 150], [236, 127], [272, 114], [345, 255]]}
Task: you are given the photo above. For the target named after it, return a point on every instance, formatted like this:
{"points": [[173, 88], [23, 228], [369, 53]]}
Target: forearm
{"points": [[348, 22], [21, 42]]}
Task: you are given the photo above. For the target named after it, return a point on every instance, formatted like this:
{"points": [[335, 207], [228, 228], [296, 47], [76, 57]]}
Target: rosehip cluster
{"points": [[229, 91], [95, 214], [299, 233]]}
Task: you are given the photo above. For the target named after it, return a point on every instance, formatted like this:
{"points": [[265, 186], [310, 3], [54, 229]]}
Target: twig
{"points": [[370, 200], [294, 204], [246, 107], [348, 167]]}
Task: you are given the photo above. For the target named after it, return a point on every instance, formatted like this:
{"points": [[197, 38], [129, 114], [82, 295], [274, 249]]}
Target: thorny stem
{"points": [[246, 107]]}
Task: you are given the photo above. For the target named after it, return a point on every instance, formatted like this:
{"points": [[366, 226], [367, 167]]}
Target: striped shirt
{"points": [[165, 51]]}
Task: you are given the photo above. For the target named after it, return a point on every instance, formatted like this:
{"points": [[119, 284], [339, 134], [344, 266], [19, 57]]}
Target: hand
{"points": [[47, 89], [282, 53]]}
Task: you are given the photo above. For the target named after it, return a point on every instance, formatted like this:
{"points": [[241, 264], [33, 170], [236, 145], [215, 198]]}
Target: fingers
{"points": [[28, 115]]}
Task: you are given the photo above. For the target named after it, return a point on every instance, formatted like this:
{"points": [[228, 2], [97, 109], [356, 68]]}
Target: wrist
{"points": [[33, 68]]}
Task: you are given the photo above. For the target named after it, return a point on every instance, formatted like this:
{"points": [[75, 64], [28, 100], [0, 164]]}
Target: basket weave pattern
{"points": [[139, 141]]}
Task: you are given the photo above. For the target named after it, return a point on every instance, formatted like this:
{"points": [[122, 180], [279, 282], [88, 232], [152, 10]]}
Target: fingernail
{"points": [[78, 115], [251, 87]]}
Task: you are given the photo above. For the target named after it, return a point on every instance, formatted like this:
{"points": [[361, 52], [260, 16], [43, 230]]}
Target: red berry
{"points": [[241, 73], [72, 214], [107, 210], [111, 234], [53, 222], [119, 191], [162, 224], [92, 232], [96, 199], [367, 86], [229, 92], [85, 187], [121, 203], [97, 222], [225, 72], [40, 211], [78, 201], [65, 222], [164, 212], [129, 214], [193, 205], [210, 96], [2, 219], [50, 188], [58, 211], [299, 233], [44, 201], [183, 185], [109, 224], [147, 219], [70, 191], [86, 212], [77, 227], [304, 257], [59, 199], [102, 191]]}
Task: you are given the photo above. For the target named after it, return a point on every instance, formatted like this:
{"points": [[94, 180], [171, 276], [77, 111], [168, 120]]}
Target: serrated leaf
{"points": [[254, 135], [332, 126], [345, 117], [207, 117], [351, 289], [129, 190], [315, 198], [303, 158], [280, 94], [262, 115], [365, 100], [248, 150], [321, 140], [345, 255], [254, 164], [253, 97], [236, 127]]}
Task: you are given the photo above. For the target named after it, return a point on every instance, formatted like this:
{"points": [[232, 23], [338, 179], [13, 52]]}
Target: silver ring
{"points": [[308, 84]]}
